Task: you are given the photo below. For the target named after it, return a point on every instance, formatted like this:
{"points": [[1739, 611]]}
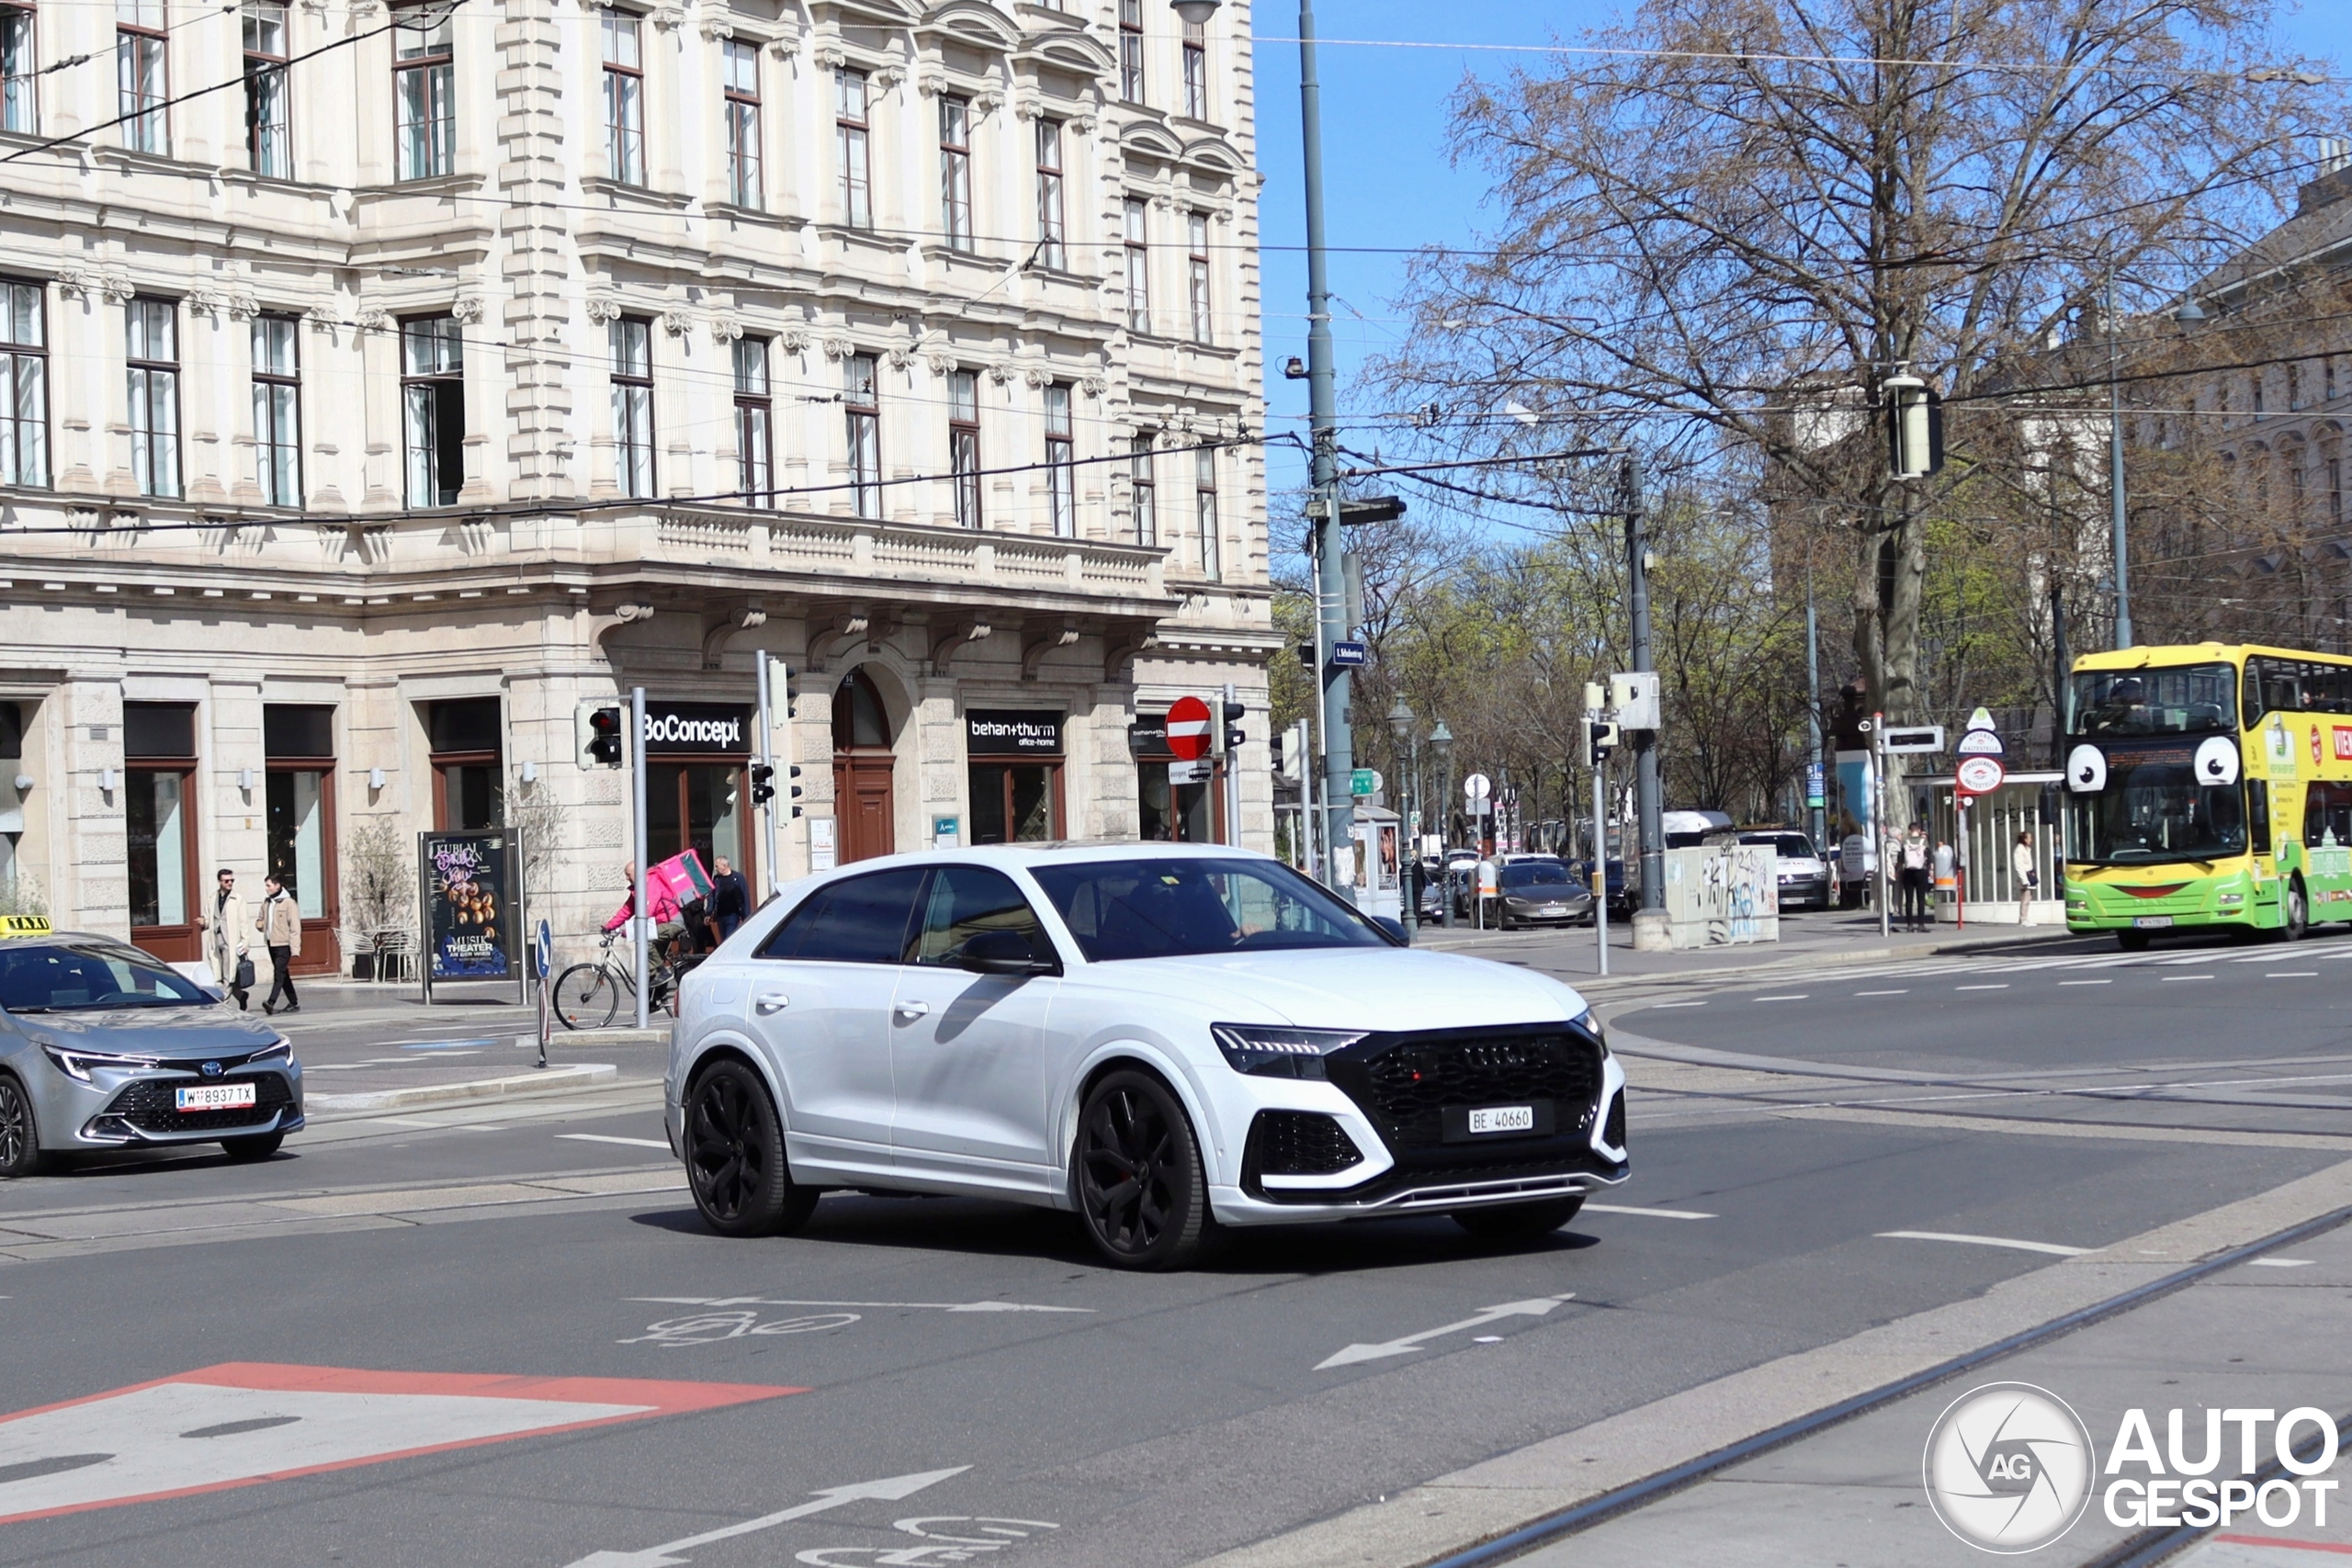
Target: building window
{"points": [[139, 74], [1196, 275], [24, 386], [269, 122], [2335, 492], [861, 399], [1131, 50], [1196, 71], [1049, 193], [425, 110], [153, 351], [855, 154], [632, 339], [159, 826], [1205, 503], [17, 69], [1061, 471], [964, 445], [297, 745], [2257, 395], [623, 99], [742, 83], [754, 414], [278, 410], [468, 756], [433, 409], [956, 171], [1145, 490], [1137, 216]]}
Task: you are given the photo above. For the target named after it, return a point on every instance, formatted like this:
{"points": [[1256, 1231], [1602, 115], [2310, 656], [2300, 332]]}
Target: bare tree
{"points": [[1725, 227]]}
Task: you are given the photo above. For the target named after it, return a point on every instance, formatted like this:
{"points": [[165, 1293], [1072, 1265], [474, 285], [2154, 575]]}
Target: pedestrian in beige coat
{"points": [[281, 923], [226, 934]]}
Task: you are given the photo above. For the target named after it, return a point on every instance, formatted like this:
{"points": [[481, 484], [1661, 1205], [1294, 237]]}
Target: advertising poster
{"points": [[469, 898]]}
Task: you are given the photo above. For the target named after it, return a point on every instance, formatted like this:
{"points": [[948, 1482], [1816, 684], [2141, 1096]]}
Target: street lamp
{"points": [[1409, 858], [1442, 743], [1323, 429]]}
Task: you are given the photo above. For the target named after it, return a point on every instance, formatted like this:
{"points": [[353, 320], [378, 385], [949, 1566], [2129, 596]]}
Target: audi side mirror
{"points": [[1001, 953]]}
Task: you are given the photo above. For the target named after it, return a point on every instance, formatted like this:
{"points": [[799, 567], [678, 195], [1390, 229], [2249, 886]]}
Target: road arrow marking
{"points": [[1539, 1307], [888, 1490]]}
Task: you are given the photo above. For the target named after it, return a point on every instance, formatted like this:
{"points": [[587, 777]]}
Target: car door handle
{"points": [[771, 1002], [913, 1009]]}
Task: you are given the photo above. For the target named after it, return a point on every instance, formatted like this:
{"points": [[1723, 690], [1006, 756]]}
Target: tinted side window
{"points": [[966, 901], [862, 921]]}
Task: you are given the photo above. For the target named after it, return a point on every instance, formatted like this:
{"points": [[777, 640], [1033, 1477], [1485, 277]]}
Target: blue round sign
{"points": [[543, 950]]}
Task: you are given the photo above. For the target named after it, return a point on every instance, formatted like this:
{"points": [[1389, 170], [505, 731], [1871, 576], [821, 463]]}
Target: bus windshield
{"points": [[2154, 809], [2185, 699]]}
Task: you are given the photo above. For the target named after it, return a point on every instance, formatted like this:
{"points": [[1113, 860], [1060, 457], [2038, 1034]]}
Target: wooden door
{"points": [[863, 802]]}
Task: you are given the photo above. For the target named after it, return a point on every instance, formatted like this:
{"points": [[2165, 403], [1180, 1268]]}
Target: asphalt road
{"points": [[1090, 1417]]}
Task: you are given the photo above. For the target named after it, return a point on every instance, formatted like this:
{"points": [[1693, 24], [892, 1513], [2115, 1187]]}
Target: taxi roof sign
{"points": [[24, 925]]}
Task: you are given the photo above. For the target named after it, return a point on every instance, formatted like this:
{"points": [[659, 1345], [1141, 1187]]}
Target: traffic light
{"points": [[1915, 426], [1604, 740], [1234, 737], [795, 791], [1275, 747], [762, 782], [596, 730], [1307, 655]]}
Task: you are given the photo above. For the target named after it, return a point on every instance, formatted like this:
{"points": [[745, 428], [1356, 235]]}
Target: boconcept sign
{"points": [[712, 729]]}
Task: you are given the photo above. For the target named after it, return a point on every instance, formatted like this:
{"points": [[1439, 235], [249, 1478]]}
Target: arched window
{"points": [[859, 718]]}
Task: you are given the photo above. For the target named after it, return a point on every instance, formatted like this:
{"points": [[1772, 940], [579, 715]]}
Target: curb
{"points": [[556, 1080], [1850, 955]]}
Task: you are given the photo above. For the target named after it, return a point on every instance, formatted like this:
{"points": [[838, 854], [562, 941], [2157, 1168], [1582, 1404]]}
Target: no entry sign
{"points": [[1188, 729]]}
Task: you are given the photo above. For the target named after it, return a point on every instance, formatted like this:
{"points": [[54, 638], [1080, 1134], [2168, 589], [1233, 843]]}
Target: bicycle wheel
{"points": [[586, 997]]}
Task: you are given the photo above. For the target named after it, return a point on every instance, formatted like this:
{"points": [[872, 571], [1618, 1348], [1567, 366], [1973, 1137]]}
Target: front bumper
{"points": [[1401, 1102], [130, 1109]]}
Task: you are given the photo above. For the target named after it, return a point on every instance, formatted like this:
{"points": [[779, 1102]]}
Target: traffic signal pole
{"points": [[767, 755], [1647, 804], [638, 922]]}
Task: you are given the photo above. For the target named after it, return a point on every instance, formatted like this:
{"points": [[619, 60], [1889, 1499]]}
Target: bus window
{"points": [[2188, 699], [2257, 810], [2327, 814]]}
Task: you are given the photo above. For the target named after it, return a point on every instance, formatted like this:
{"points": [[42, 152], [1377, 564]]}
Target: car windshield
{"points": [[1789, 846], [1536, 872], [2188, 699], [1174, 907], [2154, 809], [59, 977]]}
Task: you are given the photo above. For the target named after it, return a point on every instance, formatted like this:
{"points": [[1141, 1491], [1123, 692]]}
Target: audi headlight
{"points": [[1591, 1025], [77, 1064], [1279, 1051]]}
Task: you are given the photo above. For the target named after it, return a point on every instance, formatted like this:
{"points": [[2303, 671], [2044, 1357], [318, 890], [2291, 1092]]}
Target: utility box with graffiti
{"points": [[1724, 895]]}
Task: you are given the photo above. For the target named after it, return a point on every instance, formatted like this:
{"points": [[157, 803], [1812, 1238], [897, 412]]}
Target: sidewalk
{"points": [[1808, 940]]}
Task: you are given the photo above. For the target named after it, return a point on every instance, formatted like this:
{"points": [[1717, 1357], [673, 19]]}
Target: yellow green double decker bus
{"points": [[2207, 786]]}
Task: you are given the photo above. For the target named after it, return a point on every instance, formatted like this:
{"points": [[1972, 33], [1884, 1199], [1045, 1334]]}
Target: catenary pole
{"points": [[638, 922], [2115, 477], [1646, 775], [1323, 419]]}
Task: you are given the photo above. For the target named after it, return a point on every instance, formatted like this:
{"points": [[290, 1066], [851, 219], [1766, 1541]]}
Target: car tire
{"points": [[2132, 942], [1142, 1186], [253, 1150], [20, 1134], [734, 1154], [1518, 1221], [2297, 922]]}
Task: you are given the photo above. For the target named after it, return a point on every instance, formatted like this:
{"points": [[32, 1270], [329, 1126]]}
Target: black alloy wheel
{"points": [[1141, 1189], [2298, 911], [1518, 1221], [253, 1150], [735, 1164], [19, 1141]]}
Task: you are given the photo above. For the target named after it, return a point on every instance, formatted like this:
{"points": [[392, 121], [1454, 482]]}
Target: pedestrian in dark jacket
{"points": [[731, 896]]}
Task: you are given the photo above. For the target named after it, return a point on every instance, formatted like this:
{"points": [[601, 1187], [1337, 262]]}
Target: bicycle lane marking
{"points": [[242, 1423], [730, 1317]]}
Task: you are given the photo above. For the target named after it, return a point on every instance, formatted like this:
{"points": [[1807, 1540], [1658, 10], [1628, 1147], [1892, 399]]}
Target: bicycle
{"points": [[588, 995]]}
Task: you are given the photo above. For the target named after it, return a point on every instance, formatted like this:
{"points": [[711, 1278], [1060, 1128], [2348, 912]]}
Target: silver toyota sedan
{"points": [[102, 1046]]}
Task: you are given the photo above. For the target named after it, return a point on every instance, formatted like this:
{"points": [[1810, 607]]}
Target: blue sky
{"points": [[1388, 181]]}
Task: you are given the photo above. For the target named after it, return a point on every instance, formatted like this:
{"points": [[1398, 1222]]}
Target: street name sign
{"points": [[1916, 738]]}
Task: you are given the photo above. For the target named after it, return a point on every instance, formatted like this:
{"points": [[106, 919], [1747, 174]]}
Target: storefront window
{"points": [[299, 743], [698, 782], [1016, 775], [12, 805], [159, 823], [468, 763], [1165, 813]]}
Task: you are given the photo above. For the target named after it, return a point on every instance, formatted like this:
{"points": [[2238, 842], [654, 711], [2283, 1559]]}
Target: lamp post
{"points": [[1409, 745], [1323, 422], [2115, 477], [1442, 743]]}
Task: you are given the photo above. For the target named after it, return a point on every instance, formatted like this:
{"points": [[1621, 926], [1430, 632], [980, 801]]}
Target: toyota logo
{"points": [[210, 1070]]}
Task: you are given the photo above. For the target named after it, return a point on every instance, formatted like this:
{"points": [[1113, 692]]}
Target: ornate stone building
{"points": [[451, 367]]}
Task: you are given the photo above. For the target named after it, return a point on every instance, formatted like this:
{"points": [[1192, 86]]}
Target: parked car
{"points": [[1803, 874], [1164, 1038], [103, 1047]]}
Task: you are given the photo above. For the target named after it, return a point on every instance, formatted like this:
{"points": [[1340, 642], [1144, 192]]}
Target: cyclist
{"points": [[669, 920]]}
